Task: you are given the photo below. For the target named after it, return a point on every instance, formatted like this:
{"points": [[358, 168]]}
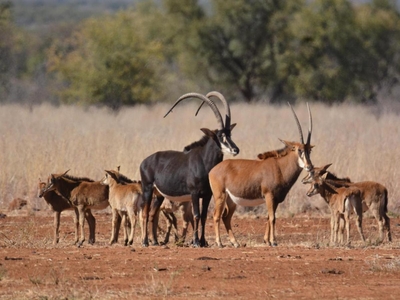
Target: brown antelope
{"points": [[341, 201], [125, 200], [83, 195], [58, 204], [121, 208], [374, 196], [248, 182]]}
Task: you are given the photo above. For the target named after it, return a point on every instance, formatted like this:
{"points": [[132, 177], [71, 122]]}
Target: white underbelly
{"points": [[183, 198], [245, 202]]}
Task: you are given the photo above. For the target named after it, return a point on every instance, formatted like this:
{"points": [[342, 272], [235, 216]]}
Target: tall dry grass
{"points": [[42, 140]]}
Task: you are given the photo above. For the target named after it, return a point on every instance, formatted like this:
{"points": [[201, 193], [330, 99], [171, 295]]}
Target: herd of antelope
{"points": [[172, 179]]}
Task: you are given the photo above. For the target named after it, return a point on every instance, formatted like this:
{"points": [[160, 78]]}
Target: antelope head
{"points": [[319, 185], [303, 149], [41, 186], [107, 177], [223, 133], [315, 172], [51, 183]]}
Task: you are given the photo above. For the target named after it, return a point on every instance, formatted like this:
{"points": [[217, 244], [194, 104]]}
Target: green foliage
{"points": [[325, 50], [342, 52], [6, 45], [240, 42], [114, 60]]}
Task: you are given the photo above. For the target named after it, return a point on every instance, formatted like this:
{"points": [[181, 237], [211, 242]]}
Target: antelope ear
{"points": [[112, 174], [324, 176], [286, 143], [326, 166], [233, 126], [208, 132]]}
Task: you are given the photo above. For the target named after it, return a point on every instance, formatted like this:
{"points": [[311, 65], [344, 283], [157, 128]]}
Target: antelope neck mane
{"points": [[332, 176], [274, 153], [74, 178], [123, 178], [197, 144]]}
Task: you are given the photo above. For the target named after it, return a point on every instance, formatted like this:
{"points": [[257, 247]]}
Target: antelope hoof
{"points": [[273, 244], [145, 245], [130, 243], [203, 243]]}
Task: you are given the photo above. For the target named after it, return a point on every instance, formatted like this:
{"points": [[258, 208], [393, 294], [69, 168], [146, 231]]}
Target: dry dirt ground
{"points": [[302, 266]]}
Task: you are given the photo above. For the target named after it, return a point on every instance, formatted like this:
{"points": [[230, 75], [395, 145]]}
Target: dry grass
{"points": [[46, 139]]}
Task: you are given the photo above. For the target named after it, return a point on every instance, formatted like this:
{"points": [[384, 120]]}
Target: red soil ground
{"points": [[302, 266]]}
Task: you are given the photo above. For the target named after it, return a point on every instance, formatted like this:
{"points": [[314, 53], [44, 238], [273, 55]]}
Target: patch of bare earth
{"points": [[302, 266]]}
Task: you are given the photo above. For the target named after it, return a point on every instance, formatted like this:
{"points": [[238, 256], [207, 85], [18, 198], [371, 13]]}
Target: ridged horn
{"points": [[298, 124], [210, 103], [226, 106], [309, 125]]}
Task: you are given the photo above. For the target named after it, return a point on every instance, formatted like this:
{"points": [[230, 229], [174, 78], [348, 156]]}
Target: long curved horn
{"points": [[224, 102], [298, 124], [309, 125], [226, 106], [205, 99]]}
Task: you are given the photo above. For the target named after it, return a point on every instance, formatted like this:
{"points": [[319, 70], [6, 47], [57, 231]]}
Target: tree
{"points": [[341, 52], [7, 43], [114, 60], [239, 43]]}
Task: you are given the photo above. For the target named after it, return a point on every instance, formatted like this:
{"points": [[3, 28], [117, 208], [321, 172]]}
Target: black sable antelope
{"points": [[183, 176]]}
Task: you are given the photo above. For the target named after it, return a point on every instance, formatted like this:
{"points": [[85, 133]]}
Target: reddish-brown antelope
{"points": [[83, 195], [125, 200], [374, 196], [248, 182], [58, 204], [122, 206], [341, 201]]}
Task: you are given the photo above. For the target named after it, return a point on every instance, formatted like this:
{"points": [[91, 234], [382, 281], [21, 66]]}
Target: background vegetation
{"points": [[127, 54], [359, 142], [118, 53]]}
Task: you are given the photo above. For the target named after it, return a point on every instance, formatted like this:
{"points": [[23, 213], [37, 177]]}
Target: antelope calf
{"points": [[59, 204], [373, 195], [248, 182], [126, 201], [341, 201], [83, 195]]}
